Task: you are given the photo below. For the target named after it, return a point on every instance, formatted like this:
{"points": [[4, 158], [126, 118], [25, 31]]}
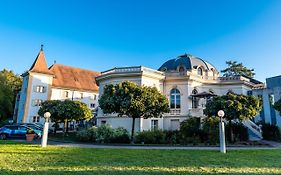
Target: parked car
{"points": [[16, 131], [34, 126]]}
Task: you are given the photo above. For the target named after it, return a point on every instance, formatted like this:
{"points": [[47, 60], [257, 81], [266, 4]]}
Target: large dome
{"points": [[188, 61]]}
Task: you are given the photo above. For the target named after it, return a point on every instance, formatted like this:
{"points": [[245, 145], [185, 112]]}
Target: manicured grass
{"points": [[16, 158]]}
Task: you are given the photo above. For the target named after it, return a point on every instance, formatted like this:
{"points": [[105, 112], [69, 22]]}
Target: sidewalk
{"points": [[271, 143]]}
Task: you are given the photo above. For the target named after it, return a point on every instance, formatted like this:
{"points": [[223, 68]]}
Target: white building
{"points": [[58, 82], [187, 81], [269, 95]]}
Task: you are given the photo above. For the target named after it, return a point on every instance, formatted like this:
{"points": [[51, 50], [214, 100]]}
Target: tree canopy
{"points": [[67, 110], [237, 69], [236, 107], [129, 99], [10, 84]]}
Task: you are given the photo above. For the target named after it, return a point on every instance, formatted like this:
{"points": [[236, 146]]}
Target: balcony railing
{"points": [[131, 69], [175, 112]]}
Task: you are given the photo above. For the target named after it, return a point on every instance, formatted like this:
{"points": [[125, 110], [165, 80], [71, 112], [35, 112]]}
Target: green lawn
{"points": [[16, 158]]}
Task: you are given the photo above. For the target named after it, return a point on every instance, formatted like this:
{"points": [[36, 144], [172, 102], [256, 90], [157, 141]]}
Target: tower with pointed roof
{"points": [[58, 82], [36, 88]]}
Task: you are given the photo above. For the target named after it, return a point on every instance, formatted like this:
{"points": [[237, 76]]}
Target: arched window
{"points": [[175, 99], [181, 70], [200, 71], [214, 73], [195, 100]]}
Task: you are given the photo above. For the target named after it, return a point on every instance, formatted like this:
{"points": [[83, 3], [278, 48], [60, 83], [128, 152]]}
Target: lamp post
{"points": [[222, 132], [47, 116]]}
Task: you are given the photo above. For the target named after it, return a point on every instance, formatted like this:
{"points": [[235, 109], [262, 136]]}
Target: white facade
{"points": [[269, 95], [179, 80], [58, 82]]}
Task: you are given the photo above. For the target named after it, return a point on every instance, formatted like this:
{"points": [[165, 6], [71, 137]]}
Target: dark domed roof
{"points": [[186, 60]]}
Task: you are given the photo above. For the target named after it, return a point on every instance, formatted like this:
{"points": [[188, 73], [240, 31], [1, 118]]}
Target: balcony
{"points": [[197, 112], [175, 112]]}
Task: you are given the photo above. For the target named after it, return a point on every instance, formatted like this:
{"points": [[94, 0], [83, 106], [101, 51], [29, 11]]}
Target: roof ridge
{"points": [[56, 64]]}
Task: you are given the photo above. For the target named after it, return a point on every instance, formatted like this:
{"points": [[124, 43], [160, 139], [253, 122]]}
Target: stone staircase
{"points": [[255, 133]]}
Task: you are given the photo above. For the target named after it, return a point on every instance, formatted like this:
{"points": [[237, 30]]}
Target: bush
{"points": [[151, 137], [240, 132], [87, 135], [190, 131], [211, 128], [172, 137], [270, 132], [120, 135], [104, 134], [190, 127]]}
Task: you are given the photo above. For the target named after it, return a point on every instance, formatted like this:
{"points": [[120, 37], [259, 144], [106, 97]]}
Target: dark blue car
{"points": [[16, 131]]}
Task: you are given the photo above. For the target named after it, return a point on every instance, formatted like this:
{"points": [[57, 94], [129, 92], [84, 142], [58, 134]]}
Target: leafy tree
{"points": [[13, 80], [237, 69], [64, 111], [236, 107], [6, 100], [129, 99], [10, 84]]}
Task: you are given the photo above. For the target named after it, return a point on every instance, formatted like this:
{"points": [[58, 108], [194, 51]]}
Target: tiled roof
{"points": [[40, 65], [74, 78]]}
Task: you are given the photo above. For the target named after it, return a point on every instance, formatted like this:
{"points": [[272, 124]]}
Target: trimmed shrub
{"points": [[151, 137], [270, 132], [190, 131], [172, 137], [104, 134], [87, 135], [120, 135], [190, 127]]}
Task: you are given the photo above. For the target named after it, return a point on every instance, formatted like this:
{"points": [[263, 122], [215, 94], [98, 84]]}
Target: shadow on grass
{"points": [[89, 172]]}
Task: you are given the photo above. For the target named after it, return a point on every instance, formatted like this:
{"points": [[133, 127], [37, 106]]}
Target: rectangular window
{"points": [[154, 124], [37, 102], [35, 119], [103, 122], [40, 89], [81, 95], [66, 94]]}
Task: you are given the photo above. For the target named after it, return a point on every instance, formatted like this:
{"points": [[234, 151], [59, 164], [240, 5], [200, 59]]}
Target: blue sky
{"points": [[99, 35]]}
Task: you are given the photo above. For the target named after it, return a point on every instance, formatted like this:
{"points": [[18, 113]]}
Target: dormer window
{"points": [[181, 69], [200, 71], [164, 69]]}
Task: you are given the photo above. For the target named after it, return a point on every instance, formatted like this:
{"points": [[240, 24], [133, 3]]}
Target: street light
{"points": [[222, 132], [47, 116]]}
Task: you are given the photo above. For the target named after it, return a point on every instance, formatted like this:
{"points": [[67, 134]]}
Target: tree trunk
{"points": [[67, 123], [133, 131], [64, 127]]}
